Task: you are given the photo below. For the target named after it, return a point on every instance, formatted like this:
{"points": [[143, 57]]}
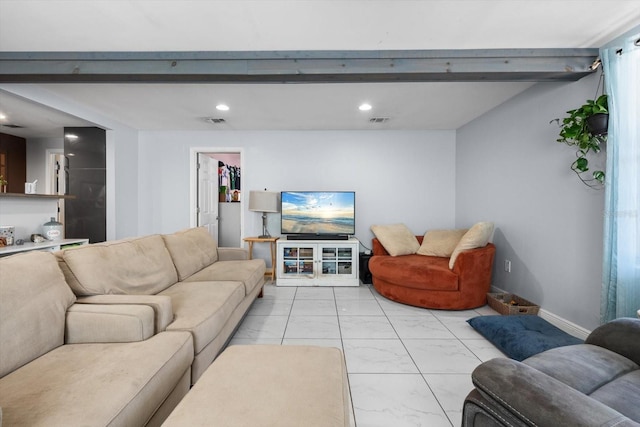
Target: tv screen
{"points": [[318, 212]]}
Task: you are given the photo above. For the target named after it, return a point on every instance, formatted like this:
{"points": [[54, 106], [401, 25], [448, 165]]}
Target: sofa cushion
{"points": [[477, 237], [415, 271], [34, 298], [622, 394], [249, 272], [397, 239], [140, 266], [97, 384], [584, 367], [203, 308], [191, 250], [441, 242]]}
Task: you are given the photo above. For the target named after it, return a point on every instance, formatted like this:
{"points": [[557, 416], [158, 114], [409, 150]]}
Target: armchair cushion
{"points": [[440, 243], [397, 239], [477, 237], [417, 272]]}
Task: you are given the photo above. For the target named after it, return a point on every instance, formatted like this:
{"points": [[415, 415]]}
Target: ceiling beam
{"points": [[488, 65]]}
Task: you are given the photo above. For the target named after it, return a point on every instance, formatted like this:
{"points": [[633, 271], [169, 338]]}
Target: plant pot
{"points": [[598, 124]]}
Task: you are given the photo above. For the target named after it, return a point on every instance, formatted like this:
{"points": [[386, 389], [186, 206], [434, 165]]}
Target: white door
{"points": [[207, 204]]}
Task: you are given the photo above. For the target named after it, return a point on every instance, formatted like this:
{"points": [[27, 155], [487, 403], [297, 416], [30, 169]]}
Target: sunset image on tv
{"points": [[318, 212]]}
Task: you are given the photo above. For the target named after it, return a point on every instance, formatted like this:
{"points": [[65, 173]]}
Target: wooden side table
{"points": [[272, 243]]}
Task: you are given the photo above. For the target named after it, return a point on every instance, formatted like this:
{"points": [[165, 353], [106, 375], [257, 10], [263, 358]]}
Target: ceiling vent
{"points": [[9, 125], [214, 120], [379, 119]]}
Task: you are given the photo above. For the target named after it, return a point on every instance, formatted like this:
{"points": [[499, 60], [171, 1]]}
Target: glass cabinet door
{"points": [[297, 260], [337, 260]]}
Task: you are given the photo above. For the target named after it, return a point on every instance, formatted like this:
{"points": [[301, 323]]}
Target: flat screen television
{"points": [[324, 214]]}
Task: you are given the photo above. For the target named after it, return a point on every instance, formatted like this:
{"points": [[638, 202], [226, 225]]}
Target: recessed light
{"points": [[222, 107], [3, 117], [365, 107], [71, 136]]}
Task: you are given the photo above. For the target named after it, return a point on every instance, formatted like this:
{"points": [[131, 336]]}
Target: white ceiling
{"points": [[262, 25]]}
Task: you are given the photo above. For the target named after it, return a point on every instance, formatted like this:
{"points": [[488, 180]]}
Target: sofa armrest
{"points": [[161, 305], [621, 336], [377, 249], [514, 390], [232, 254], [469, 261], [94, 323]]}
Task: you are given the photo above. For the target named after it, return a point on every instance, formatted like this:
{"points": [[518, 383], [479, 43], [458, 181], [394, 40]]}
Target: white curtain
{"points": [[621, 267]]}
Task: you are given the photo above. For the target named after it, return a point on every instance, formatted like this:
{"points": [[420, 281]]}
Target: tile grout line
{"points": [[286, 325]]}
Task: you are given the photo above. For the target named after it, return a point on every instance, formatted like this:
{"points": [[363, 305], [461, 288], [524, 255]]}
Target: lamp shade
{"points": [[263, 201]]}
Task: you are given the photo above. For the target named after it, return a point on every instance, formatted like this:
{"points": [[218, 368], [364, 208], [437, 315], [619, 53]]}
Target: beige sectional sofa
{"points": [[114, 334], [191, 284]]}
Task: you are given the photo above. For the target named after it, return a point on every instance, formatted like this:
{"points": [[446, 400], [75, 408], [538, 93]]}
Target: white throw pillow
{"points": [[441, 242], [477, 237], [397, 239]]}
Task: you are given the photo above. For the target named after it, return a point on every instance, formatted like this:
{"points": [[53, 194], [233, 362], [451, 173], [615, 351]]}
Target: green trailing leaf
{"points": [[582, 164], [575, 132], [599, 176]]}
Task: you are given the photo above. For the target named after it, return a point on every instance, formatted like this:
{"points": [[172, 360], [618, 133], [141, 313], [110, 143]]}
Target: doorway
{"points": [[56, 180], [216, 193]]}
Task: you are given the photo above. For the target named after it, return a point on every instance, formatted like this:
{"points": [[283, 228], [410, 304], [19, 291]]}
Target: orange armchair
{"points": [[427, 281]]}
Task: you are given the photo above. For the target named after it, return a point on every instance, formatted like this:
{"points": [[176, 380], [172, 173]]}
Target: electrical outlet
{"points": [[507, 266]]}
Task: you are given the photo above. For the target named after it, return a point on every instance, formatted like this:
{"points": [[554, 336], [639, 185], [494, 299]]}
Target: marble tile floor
{"points": [[407, 366]]}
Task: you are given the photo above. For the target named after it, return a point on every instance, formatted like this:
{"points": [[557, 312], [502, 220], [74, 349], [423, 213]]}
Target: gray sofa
{"points": [[114, 334], [592, 384]]}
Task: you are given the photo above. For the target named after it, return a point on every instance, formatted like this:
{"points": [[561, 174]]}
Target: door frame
{"points": [[193, 182]]}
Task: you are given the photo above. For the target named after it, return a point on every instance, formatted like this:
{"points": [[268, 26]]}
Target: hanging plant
{"points": [[586, 129]]}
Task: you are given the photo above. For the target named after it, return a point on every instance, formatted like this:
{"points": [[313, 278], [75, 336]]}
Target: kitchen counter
{"points": [[49, 245]]}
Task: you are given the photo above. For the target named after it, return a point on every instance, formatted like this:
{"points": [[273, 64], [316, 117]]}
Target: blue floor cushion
{"points": [[520, 337]]}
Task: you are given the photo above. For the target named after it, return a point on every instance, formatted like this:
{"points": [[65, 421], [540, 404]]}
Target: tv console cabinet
{"points": [[317, 262]]}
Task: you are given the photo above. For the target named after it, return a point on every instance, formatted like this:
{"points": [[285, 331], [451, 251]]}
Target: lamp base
{"points": [[265, 232]]}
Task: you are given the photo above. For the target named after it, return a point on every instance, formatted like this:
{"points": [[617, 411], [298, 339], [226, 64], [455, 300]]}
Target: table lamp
{"points": [[263, 201]]}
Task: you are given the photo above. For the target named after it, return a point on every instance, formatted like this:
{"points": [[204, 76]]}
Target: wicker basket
{"points": [[511, 304]]}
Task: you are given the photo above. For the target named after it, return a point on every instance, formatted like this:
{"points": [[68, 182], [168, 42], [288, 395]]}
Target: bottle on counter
{"points": [[52, 230]]}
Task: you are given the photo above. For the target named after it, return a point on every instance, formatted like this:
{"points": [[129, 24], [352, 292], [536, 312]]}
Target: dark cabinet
{"points": [[13, 162]]}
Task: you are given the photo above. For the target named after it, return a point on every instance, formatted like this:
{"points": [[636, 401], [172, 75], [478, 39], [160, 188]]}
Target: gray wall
{"points": [[511, 170], [398, 176]]}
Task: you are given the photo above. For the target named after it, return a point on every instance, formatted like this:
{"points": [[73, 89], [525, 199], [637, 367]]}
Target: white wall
{"points": [[398, 176], [512, 171], [123, 201], [37, 160]]}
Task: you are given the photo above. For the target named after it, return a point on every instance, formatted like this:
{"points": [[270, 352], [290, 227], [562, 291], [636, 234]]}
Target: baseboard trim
{"points": [[557, 321], [564, 324]]}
